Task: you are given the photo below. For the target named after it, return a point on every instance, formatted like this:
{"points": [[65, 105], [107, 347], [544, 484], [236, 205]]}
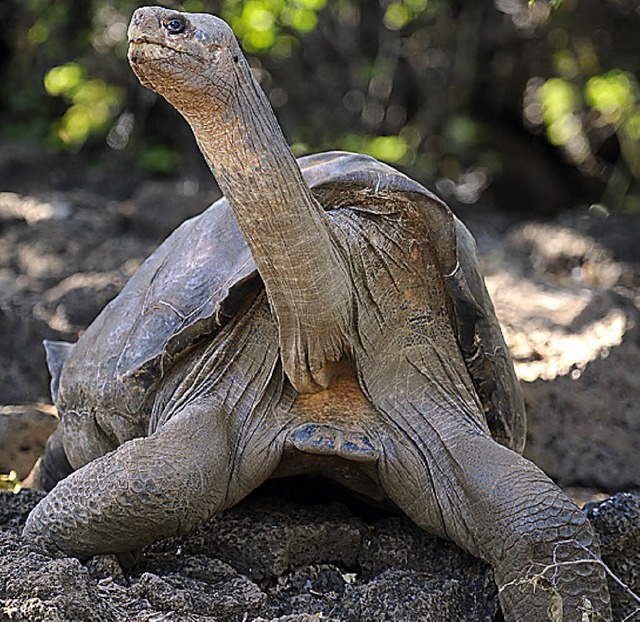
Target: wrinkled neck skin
{"points": [[251, 161], [286, 229]]}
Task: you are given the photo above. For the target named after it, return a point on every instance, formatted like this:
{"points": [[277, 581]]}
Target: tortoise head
{"points": [[186, 57]]}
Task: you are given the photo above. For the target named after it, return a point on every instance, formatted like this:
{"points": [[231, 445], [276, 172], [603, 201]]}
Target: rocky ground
{"points": [[567, 292], [276, 558]]}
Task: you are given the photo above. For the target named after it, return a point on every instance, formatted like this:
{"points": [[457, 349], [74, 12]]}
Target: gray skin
{"points": [[327, 316]]}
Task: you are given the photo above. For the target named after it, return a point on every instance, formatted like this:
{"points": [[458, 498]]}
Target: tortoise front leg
{"points": [[212, 412], [157, 487], [149, 488], [461, 484]]}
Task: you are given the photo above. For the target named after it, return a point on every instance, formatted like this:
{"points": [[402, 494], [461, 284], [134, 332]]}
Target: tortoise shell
{"points": [[203, 272]]}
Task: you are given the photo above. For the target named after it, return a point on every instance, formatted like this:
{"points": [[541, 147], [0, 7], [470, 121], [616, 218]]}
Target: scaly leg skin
{"points": [[147, 489], [457, 482], [439, 463], [545, 554], [152, 488]]}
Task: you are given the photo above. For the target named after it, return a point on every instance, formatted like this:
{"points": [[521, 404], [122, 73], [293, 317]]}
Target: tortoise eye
{"points": [[175, 26]]}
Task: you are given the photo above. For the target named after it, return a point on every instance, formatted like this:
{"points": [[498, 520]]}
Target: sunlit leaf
{"points": [[63, 80], [611, 94], [258, 17], [38, 33], [10, 481], [391, 149], [314, 5], [261, 24], [388, 148], [259, 40], [75, 125], [303, 20], [554, 3], [559, 98], [564, 129], [94, 103], [632, 125], [396, 16], [416, 6]]}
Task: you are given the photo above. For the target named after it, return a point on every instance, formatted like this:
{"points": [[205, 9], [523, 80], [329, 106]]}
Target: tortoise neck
{"points": [[288, 232], [281, 221], [247, 152]]}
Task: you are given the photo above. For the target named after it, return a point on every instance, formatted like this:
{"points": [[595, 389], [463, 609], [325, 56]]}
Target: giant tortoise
{"points": [[327, 316]]}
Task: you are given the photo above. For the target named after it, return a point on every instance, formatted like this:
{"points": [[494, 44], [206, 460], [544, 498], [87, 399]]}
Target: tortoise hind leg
{"points": [[463, 485], [52, 467]]}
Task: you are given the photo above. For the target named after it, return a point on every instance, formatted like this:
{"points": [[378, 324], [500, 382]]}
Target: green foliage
{"points": [[398, 14], [560, 102], [554, 3], [93, 103], [393, 149], [157, 159], [609, 101], [613, 95], [10, 482], [262, 25], [432, 86]]}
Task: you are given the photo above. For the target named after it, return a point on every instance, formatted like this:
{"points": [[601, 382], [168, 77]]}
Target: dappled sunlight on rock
{"points": [[72, 304], [553, 332], [566, 296], [564, 255], [37, 263], [30, 209]]}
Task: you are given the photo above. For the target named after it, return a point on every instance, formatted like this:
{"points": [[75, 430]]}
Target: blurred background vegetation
{"points": [[528, 105]]}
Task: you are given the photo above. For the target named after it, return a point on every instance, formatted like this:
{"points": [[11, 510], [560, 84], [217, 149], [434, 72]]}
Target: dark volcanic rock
{"points": [[36, 586], [617, 521], [405, 595], [388, 569], [266, 559], [14, 509], [294, 535]]}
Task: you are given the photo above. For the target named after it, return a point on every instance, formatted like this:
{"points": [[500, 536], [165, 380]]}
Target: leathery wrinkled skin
{"points": [[327, 316]]}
